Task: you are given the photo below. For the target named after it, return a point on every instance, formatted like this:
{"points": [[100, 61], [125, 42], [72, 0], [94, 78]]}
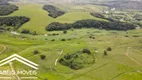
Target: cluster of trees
{"points": [[7, 9], [90, 23], [55, 26], [78, 60], [108, 49], [42, 56], [27, 31], [138, 17], [53, 11], [15, 21]]}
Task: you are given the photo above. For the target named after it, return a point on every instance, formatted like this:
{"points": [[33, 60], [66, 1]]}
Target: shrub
{"points": [[43, 57], [86, 51], [135, 36], [68, 56], [109, 49], [93, 38], [26, 31], [34, 33], [65, 32], [105, 53], [90, 36], [76, 66], [35, 52], [63, 39], [126, 36], [54, 34], [53, 40]]}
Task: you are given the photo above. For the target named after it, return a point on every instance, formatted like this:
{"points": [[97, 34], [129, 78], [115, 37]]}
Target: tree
{"points": [[53, 40], [64, 31], [105, 53], [35, 52], [86, 51], [63, 39], [34, 33], [25, 31], [109, 49], [43, 57]]}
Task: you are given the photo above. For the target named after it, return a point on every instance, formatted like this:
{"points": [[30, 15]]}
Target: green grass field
{"points": [[40, 19], [115, 66]]}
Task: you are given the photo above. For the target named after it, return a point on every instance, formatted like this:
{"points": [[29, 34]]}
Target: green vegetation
{"points": [[7, 9], [90, 23], [110, 66], [78, 60], [53, 11], [15, 22], [88, 53], [40, 20]]}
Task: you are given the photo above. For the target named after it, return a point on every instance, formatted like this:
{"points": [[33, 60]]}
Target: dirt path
{"points": [[58, 57], [127, 54], [4, 48], [14, 75], [12, 69]]}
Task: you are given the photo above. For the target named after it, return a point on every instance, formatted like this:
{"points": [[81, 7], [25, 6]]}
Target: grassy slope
{"points": [[115, 66], [40, 18], [75, 8], [105, 68]]}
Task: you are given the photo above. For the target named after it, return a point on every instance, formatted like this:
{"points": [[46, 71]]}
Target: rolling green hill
{"points": [[116, 66], [40, 19], [122, 62]]}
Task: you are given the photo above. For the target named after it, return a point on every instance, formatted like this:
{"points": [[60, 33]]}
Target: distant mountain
{"points": [[3, 2], [125, 5], [71, 1], [118, 4]]}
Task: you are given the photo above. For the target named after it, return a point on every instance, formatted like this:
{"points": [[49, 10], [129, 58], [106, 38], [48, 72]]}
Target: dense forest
{"points": [[15, 22], [7, 9], [90, 23], [53, 11]]}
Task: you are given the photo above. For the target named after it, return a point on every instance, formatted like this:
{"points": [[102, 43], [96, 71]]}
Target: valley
{"points": [[83, 43]]}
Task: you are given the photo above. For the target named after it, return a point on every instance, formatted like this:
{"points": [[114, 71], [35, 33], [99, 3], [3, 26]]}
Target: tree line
{"points": [[53, 11], [90, 23], [15, 21], [7, 9]]}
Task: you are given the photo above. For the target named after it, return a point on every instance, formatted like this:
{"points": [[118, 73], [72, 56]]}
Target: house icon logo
{"points": [[20, 59], [24, 74]]}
